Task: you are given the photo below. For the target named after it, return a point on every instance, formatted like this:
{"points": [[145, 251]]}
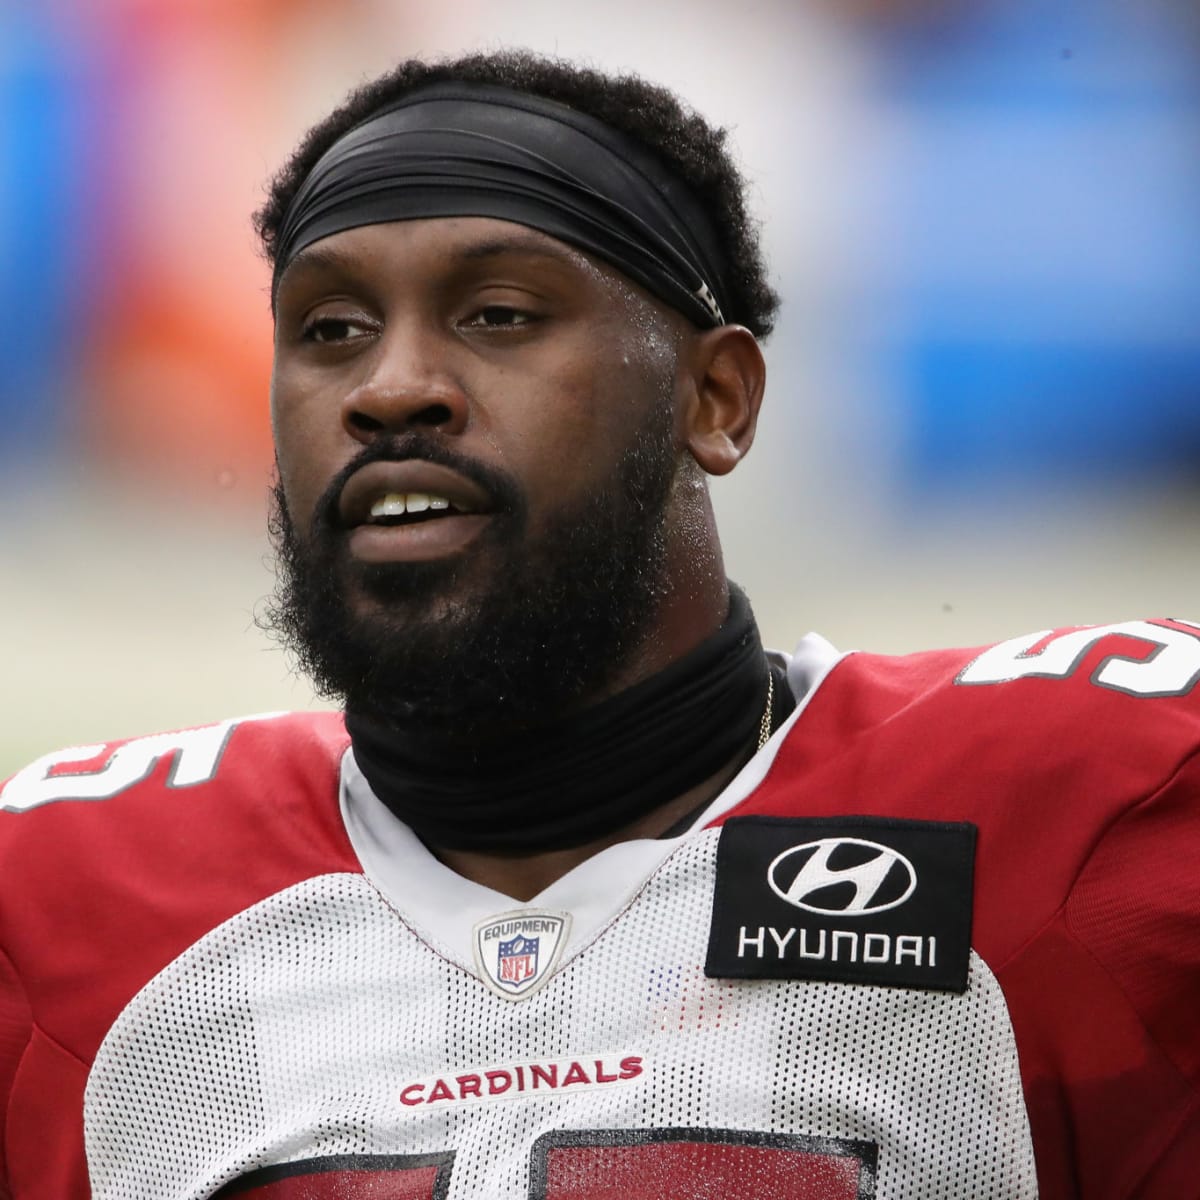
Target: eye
{"points": [[334, 330], [499, 316]]}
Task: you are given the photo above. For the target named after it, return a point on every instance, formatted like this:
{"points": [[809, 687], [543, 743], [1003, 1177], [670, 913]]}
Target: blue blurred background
{"points": [[982, 415]]}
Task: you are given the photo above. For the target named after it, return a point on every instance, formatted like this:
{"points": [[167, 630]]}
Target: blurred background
{"points": [[982, 419]]}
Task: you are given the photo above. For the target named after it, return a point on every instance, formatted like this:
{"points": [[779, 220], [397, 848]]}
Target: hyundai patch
{"points": [[867, 900]]}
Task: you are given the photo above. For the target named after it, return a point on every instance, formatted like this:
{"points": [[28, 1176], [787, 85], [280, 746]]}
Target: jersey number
{"points": [[635, 1164], [195, 755], [1171, 668]]}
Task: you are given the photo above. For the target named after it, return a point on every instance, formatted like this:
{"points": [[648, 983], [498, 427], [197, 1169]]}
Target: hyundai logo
{"points": [[842, 875]]}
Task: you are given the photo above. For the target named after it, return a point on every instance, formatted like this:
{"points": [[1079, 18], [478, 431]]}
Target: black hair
{"points": [[692, 148]]}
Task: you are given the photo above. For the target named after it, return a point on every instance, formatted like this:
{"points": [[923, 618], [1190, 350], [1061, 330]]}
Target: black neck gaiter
{"points": [[581, 778]]}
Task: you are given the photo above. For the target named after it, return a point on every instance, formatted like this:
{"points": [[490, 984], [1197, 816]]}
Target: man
{"points": [[588, 895]]}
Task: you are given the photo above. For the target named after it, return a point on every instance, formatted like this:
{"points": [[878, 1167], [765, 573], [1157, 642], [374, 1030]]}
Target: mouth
{"points": [[412, 510]]}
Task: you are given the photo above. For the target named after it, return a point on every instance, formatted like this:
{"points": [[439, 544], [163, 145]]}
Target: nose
{"points": [[410, 382]]}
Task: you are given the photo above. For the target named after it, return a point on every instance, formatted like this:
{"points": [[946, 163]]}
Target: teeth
{"points": [[390, 505], [396, 504]]}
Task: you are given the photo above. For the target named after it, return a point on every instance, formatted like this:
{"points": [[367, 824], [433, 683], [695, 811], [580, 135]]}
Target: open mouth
{"points": [[407, 493], [414, 508]]}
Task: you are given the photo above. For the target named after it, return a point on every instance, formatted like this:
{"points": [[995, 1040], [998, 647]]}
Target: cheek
{"points": [[633, 375], [638, 397], [302, 446], [588, 423], [583, 420]]}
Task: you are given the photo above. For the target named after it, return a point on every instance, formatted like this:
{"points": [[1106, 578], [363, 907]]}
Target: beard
{"points": [[508, 635]]}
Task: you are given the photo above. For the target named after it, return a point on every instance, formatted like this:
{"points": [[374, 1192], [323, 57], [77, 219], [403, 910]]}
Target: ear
{"points": [[727, 379]]}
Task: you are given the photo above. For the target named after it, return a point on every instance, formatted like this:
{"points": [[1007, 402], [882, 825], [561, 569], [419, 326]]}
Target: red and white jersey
{"points": [[939, 940]]}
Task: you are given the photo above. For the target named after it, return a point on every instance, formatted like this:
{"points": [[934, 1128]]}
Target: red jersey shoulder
{"points": [[192, 788], [227, 755], [196, 793], [1078, 691], [116, 857]]}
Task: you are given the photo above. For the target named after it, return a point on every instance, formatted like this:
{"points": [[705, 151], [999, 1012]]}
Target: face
{"points": [[475, 427]]}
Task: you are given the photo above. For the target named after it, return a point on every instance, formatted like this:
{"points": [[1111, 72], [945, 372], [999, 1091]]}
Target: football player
{"points": [[584, 893]]}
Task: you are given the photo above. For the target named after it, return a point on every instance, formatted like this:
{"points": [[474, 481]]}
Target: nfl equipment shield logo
{"points": [[516, 952], [518, 960]]}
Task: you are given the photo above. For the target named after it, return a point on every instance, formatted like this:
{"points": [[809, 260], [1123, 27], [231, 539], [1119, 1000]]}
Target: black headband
{"points": [[474, 150]]}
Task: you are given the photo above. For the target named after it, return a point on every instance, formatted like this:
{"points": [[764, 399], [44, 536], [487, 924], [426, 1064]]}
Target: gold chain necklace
{"points": [[764, 727]]}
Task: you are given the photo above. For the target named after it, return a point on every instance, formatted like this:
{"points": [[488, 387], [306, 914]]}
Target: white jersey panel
{"points": [[321, 1023]]}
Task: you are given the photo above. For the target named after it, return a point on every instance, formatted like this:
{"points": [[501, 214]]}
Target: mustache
{"points": [[504, 493]]}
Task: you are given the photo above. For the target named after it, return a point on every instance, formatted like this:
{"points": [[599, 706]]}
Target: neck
{"points": [[523, 876], [628, 766]]}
